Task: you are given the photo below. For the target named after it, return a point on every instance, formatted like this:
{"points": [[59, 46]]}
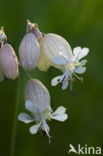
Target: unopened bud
{"points": [[38, 94], [3, 37], [29, 51], [9, 61], [43, 64], [33, 27]]}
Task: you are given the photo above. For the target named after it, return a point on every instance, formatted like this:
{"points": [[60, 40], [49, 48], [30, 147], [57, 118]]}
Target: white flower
{"points": [[71, 66], [38, 103], [58, 53], [40, 118]]}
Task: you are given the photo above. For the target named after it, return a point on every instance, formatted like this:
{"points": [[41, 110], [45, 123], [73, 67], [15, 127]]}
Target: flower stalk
{"points": [[14, 128]]}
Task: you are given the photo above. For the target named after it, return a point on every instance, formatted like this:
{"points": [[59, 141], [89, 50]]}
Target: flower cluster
{"points": [[41, 50]]}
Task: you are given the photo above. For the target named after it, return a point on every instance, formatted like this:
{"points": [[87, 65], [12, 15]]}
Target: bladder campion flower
{"points": [[8, 59], [38, 103], [29, 50], [42, 63], [59, 54]]}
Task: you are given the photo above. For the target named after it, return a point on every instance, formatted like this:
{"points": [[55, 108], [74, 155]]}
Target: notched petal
{"points": [[34, 129], [60, 110], [80, 70], [60, 114], [65, 84], [25, 118], [76, 51], [61, 117], [84, 52], [83, 62], [55, 81]]}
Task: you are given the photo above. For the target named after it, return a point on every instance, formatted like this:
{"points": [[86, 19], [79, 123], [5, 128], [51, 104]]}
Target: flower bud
{"points": [[54, 45], [38, 94], [42, 64], [29, 51], [3, 37], [33, 27], [9, 61]]}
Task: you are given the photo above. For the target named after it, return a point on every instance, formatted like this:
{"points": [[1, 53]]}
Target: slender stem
{"points": [[27, 73], [14, 128]]}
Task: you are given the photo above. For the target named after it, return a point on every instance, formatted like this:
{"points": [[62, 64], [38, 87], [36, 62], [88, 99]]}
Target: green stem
{"points": [[14, 129]]}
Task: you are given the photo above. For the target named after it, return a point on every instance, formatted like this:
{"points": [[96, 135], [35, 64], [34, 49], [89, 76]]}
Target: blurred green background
{"points": [[81, 23]]}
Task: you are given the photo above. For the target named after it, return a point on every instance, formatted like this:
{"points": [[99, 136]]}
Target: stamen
{"points": [[71, 87], [76, 76]]}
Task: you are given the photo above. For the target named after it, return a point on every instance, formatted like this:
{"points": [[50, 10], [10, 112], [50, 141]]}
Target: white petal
{"points": [[62, 77], [83, 53], [60, 60], [57, 80], [25, 118], [83, 62], [31, 106], [59, 110], [67, 75], [76, 51], [34, 129], [61, 117], [45, 127], [65, 84], [80, 70]]}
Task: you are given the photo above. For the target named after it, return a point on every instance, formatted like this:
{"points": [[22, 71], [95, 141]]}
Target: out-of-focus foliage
{"points": [[81, 23]]}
